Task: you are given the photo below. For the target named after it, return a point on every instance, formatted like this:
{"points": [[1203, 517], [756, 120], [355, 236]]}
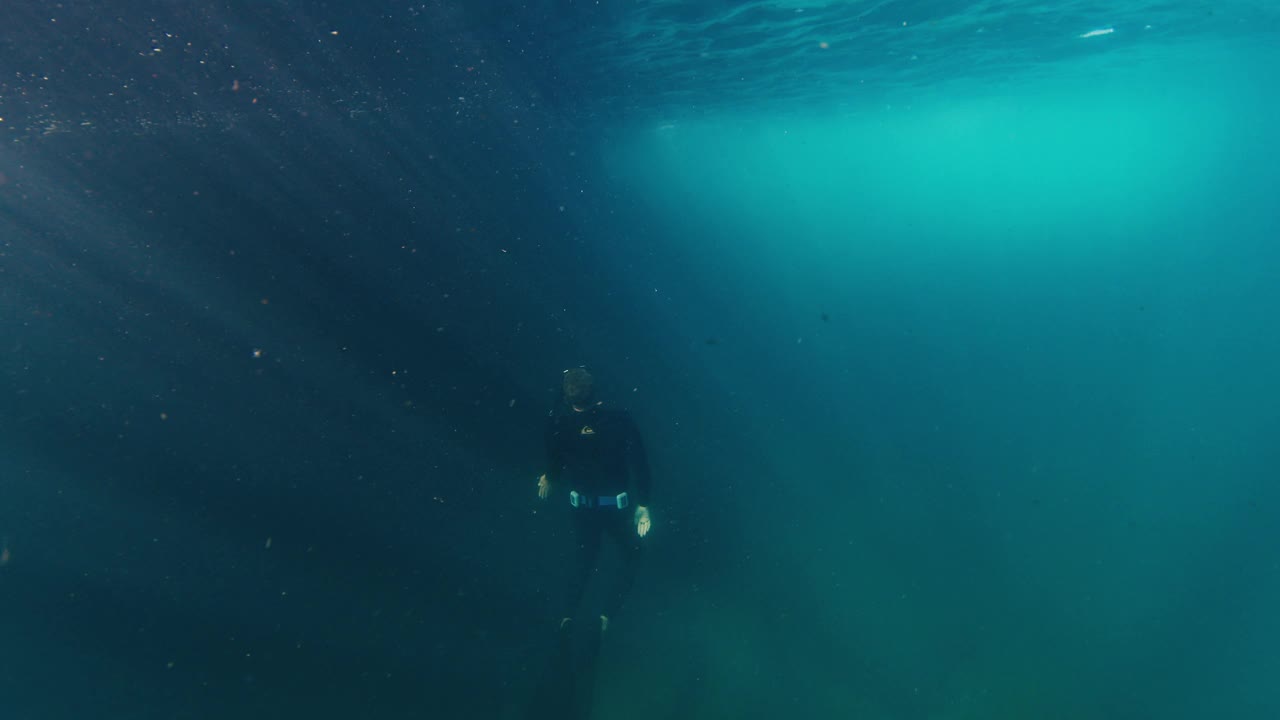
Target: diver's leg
{"points": [[587, 533], [555, 695], [623, 530], [556, 698], [585, 675]]}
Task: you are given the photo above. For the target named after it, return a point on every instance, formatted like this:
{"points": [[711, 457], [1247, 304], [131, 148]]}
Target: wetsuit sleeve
{"points": [[639, 463], [555, 457]]}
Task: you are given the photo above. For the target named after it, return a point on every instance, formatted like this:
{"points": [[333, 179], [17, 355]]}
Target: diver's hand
{"points": [[544, 487], [642, 520]]}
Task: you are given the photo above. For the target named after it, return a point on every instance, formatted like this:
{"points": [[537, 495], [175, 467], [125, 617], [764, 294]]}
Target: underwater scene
{"points": [[640, 360]]}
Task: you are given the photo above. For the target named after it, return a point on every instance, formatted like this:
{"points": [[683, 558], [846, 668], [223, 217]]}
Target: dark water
{"points": [[950, 328]]}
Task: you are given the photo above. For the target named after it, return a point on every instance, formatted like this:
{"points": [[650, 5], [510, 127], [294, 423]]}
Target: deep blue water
{"points": [[950, 328]]}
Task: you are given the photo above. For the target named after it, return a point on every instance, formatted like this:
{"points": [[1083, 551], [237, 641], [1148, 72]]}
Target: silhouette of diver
{"points": [[597, 453]]}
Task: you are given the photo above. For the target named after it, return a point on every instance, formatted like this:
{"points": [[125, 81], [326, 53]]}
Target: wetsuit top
{"points": [[597, 452]]}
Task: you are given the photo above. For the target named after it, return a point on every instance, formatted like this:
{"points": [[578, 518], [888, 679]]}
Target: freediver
{"points": [[596, 452]]}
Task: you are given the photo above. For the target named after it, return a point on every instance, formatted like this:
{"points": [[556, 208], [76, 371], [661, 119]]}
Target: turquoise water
{"points": [[989, 305]]}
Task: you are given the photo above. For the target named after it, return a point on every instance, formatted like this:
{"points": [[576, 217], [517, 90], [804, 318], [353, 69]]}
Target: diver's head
{"points": [[579, 388]]}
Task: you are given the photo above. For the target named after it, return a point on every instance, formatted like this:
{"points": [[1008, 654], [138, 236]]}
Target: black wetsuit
{"points": [[598, 453]]}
